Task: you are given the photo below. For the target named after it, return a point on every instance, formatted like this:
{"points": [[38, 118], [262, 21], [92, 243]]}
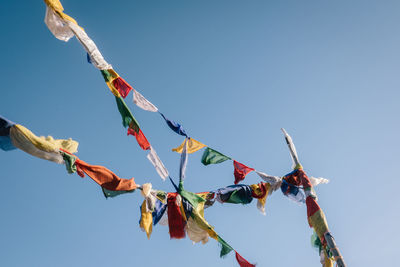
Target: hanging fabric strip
{"points": [[292, 149], [260, 191], [146, 220], [122, 86], [157, 163], [192, 146], [176, 221], [176, 127], [41, 147], [140, 138], [127, 117], [95, 56], [211, 156], [142, 102], [104, 177], [184, 159], [159, 210], [241, 171]]}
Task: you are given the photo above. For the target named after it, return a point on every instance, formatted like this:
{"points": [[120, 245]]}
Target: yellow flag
{"points": [[192, 146], [146, 222]]}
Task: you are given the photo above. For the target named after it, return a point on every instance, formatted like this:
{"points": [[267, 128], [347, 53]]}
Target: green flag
{"points": [[211, 156], [127, 117]]}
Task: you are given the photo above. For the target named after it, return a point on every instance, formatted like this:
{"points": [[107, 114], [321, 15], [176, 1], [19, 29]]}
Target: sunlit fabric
{"points": [[176, 127], [109, 193], [211, 156], [142, 102], [104, 177], [95, 56], [41, 147], [260, 191], [241, 171], [192, 146], [274, 181], [140, 138], [157, 163], [69, 162], [127, 117], [57, 26], [146, 220], [122, 86]]}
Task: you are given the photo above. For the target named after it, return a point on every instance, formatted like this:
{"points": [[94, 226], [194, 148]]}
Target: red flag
{"points": [[140, 138], [176, 222], [241, 171], [122, 86], [242, 261]]}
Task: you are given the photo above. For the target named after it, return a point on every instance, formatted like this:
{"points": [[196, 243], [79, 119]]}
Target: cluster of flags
{"points": [[182, 211]]}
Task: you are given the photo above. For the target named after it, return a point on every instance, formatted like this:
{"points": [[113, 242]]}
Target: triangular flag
{"points": [[142, 102], [211, 156], [192, 146], [241, 171], [242, 261]]}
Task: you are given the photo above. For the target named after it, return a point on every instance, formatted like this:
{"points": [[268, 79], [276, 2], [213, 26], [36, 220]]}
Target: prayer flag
{"points": [[122, 86], [157, 163], [142, 102], [176, 127], [211, 156], [241, 171], [140, 138], [192, 146]]}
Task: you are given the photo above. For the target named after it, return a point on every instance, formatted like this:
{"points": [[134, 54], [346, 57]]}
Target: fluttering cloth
{"points": [[211, 156]]}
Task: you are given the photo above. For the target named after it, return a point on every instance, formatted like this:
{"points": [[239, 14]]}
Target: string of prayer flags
{"points": [[315, 215], [240, 171], [176, 127], [142, 102], [191, 147], [211, 156], [64, 27]]}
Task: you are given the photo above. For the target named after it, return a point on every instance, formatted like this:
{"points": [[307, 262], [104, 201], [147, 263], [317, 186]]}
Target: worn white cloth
{"points": [[318, 180], [142, 102], [292, 148], [195, 233], [95, 56], [157, 163], [57, 26], [184, 160], [274, 181]]}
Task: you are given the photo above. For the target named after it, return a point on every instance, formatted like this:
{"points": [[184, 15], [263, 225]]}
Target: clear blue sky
{"points": [[233, 73]]}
